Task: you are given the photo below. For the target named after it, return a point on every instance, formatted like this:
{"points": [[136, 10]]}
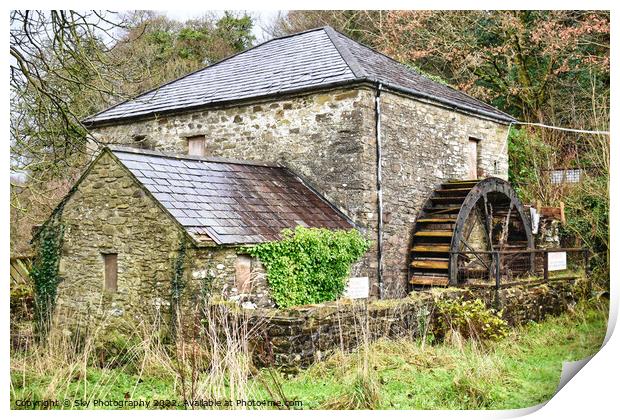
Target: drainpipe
{"points": [[379, 192]]}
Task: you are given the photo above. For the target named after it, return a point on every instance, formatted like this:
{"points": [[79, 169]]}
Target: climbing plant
{"points": [[44, 273], [310, 265], [177, 282]]}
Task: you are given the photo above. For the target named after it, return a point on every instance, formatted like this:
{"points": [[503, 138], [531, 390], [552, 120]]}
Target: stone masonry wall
{"points": [[424, 145], [214, 268], [327, 138], [110, 213], [298, 337]]}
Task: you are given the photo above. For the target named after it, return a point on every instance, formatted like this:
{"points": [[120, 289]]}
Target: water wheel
{"points": [[466, 216]]}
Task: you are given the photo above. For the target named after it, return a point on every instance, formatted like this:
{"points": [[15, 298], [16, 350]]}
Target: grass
{"points": [[518, 371]]}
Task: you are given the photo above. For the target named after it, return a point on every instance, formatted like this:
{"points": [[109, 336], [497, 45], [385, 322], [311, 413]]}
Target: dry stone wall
{"points": [[298, 337]]}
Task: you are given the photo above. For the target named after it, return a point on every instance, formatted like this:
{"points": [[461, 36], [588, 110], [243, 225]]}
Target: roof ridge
{"points": [[380, 53], [179, 156], [158, 87], [409, 68], [344, 52]]}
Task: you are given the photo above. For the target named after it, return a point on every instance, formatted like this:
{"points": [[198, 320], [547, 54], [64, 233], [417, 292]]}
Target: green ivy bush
{"points": [[177, 283], [310, 265], [44, 274], [471, 319]]}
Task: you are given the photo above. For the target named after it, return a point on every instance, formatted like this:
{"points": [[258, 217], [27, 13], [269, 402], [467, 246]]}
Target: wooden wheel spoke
{"points": [[444, 226]]}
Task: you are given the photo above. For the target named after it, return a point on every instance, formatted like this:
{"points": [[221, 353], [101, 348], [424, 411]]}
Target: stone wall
{"points": [[109, 212], [215, 268], [298, 337], [424, 145], [326, 137], [329, 139]]}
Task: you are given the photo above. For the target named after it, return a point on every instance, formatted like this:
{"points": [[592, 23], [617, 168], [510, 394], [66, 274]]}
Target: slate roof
{"points": [[228, 201], [308, 60]]}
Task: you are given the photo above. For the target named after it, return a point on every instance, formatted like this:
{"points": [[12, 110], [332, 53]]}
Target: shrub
{"points": [[471, 319], [532, 151], [587, 216], [22, 301], [527, 155], [310, 265], [114, 349]]}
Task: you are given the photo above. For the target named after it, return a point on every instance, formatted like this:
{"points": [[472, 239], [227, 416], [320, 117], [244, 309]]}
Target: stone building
{"points": [[135, 214], [370, 135]]}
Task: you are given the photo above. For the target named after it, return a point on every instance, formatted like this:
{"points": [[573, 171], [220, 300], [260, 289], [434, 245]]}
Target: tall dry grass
{"points": [[212, 361]]}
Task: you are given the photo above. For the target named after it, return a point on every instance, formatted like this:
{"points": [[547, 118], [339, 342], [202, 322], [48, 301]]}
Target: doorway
{"points": [[473, 158]]}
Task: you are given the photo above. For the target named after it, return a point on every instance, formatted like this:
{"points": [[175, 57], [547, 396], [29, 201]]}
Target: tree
{"points": [[67, 65], [162, 49], [59, 72], [524, 62]]}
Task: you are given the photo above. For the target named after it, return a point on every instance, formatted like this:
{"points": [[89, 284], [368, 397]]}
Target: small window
{"points": [[110, 263], [196, 145], [140, 141], [243, 273]]}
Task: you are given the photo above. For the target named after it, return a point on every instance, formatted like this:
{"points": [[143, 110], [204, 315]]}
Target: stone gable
{"points": [[109, 212]]}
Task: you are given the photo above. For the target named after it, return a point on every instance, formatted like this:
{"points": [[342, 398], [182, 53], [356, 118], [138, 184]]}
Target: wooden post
{"points": [[453, 273], [546, 265], [586, 261], [496, 257]]}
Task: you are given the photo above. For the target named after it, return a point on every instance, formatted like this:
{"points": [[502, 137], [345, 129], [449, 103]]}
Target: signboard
{"points": [[557, 261], [357, 288]]}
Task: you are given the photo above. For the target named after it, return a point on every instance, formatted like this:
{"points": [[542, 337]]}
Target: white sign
{"points": [[557, 261], [357, 288]]}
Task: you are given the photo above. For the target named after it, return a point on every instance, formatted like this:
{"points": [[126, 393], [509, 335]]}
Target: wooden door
{"points": [[472, 159]]}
